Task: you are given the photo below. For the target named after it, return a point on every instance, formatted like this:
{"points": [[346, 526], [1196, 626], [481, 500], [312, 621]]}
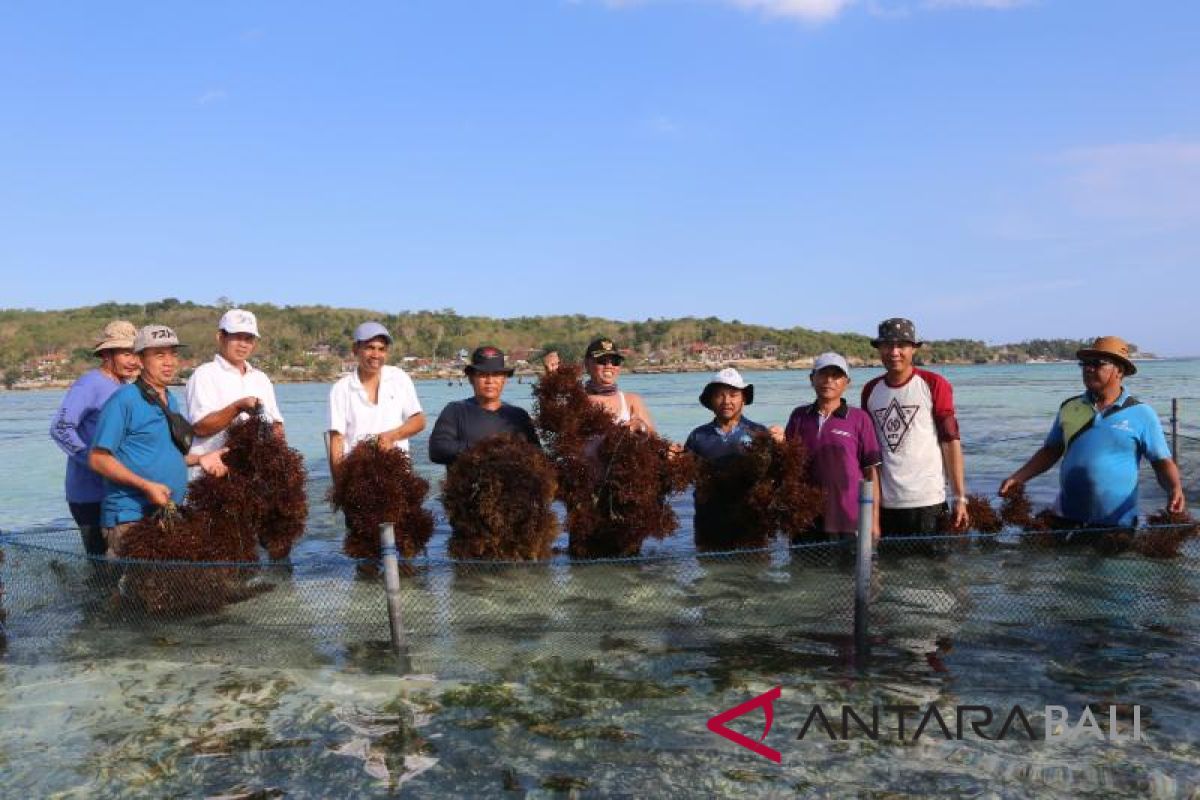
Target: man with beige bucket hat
{"points": [[1101, 436], [75, 424]]}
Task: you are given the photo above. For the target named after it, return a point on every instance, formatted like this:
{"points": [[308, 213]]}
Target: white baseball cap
{"points": [[238, 320], [831, 360]]}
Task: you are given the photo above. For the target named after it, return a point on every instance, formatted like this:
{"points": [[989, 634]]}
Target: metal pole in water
{"points": [[1175, 429], [862, 571], [391, 582]]}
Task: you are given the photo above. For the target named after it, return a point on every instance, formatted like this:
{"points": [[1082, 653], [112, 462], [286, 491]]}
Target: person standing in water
{"points": [[602, 361], [75, 424], [464, 423], [373, 400]]}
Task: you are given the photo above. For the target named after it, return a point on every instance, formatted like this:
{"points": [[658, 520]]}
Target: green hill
{"points": [[312, 341]]}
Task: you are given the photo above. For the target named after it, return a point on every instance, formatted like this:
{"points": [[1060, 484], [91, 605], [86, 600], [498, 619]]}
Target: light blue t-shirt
{"points": [[1098, 476], [136, 432], [73, 428]]}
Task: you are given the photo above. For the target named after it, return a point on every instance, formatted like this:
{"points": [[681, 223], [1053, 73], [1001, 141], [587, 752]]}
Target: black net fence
{"points": [[925, 595]]}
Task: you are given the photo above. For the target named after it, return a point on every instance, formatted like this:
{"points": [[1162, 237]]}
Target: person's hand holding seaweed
{"points": [[158, 494], [212, 463]]}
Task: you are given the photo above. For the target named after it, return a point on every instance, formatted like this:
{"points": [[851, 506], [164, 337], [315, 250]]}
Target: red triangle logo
{"points": [[766, 700]]}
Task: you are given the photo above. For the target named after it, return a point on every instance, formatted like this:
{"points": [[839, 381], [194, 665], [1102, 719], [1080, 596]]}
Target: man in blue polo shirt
{"points": [[1101, 437], [141, 443]]}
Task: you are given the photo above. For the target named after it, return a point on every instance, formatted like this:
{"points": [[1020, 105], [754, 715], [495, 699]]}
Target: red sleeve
{"points": [[943, 405], [866, 392]]}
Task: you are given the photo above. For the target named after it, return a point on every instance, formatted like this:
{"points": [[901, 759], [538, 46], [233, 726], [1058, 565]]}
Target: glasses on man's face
{"points": [[1094, 363], [608, 361]]}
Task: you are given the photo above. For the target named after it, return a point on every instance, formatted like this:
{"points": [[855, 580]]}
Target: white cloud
{"points": [[806, 10], [821, 11], [994, 4], [212, 96], [1156, 182]]}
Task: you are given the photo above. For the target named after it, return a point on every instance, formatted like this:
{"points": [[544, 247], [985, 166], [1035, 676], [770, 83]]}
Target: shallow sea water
{"points": [[597, 679]]}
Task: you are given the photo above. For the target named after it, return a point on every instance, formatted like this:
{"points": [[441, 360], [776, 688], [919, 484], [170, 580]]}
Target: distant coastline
{"points": [[49, 349], [528, 374]]}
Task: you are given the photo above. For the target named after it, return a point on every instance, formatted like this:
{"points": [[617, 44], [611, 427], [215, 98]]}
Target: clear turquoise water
{"points": [[602, 674], [1004, 412]]}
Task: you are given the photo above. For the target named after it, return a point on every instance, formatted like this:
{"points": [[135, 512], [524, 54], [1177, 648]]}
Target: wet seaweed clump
{"points": [[1168, 531], [616, 482], [498, 496], [374, 486], [262, 499], [1017, 510], [179, 536], [743, 500], [983, 519]]}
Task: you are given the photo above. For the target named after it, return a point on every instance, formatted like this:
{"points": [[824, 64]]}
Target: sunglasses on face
{"points": [[608, 361], [1094, 363]]}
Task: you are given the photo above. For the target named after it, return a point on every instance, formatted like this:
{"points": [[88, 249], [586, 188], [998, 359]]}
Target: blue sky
{"points": [[994, 169]]}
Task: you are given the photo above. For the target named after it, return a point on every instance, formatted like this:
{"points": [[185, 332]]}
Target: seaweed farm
{"points": [[598, 677]]}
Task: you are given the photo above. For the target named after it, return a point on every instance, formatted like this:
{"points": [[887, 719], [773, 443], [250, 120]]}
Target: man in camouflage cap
{"points": [[913, 412]]}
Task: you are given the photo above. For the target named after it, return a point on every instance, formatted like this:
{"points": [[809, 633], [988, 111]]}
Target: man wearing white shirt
{"points": [[373, 400], [225, 389]]}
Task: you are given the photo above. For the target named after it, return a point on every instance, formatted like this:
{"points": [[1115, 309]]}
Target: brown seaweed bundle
{"points": [[271, 477], [564, 416], [615, 482], [1017, 510], [174, 535], [374, 486], [984, 518], [619, 494], [744, 499], [497, 496], [1162, 541], [261, 500]]}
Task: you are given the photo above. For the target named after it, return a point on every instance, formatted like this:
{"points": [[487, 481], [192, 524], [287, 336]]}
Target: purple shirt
{"points": [[838, 451], [72, 430]]}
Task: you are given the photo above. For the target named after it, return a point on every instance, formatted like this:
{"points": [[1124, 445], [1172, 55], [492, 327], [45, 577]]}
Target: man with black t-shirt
{"points": [[463, 423]]}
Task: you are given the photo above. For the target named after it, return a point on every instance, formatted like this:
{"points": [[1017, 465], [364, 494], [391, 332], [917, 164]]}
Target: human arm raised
{"points": [[222, 418]]}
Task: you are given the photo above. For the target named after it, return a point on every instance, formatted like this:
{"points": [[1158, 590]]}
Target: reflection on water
{"points": [[596, 677]]}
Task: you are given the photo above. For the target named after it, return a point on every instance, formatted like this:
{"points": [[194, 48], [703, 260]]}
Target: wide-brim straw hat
{"points": [[1112, 347], [117, 335]]}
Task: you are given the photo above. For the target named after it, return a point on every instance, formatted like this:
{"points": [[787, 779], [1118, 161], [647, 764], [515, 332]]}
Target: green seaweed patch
{"points": [[492, 696], [480, 723], [563, 783], [421, 701], [584, 680], [746, 776], [560, 733]]}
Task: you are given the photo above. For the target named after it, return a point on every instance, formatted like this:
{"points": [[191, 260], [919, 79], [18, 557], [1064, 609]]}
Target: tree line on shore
{"points": [[313, 340]]}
